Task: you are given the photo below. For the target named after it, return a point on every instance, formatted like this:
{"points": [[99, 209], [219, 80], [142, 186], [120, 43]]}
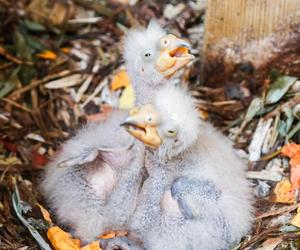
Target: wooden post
{"points": [[247, 31]]}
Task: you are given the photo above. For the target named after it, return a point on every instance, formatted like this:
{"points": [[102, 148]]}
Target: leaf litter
{"points": [[61, 66]]}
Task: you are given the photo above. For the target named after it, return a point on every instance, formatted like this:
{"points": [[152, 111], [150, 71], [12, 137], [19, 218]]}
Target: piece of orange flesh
{"points": [[62, 240]]}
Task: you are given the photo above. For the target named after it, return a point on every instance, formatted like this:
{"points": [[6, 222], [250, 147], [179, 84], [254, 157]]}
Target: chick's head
{"points": [[152, 54], [170, 125]]}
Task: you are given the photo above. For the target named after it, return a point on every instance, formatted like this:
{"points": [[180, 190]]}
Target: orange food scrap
{"points": [[120, 80], [292, 151], [295, 177], [65, 50], [92, 246], [284, 193], [62, 240], [112, 234], [108, 235], [47, 54]]}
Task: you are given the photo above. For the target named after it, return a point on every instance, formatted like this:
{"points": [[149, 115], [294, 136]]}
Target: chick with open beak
{"points": [[196, 195], [142, 124], [174, 55]]}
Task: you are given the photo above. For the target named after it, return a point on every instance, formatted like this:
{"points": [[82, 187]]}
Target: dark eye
{"points": [[165, 42], [147, 55]]}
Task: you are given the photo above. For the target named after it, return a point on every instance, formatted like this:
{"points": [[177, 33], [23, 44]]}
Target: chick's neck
{"points": [[146, 86]]}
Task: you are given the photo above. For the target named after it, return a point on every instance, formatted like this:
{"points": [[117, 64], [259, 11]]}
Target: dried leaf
{"points": [[296, 220], [45, 213], [35, 137], [172, 11], [258, 139], [67, 81], [38, 160], [284, 192], [279, 88], [271, 243], [120, 80], [10, 161], [264, 175]]}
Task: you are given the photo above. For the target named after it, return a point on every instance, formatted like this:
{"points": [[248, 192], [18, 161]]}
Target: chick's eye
{"points": [[147, 55], [164, 43], [171, 133]]}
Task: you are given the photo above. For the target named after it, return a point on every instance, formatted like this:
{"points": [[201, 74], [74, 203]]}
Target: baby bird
{"points": [[196, 195], [92, 183], [152, 58]]}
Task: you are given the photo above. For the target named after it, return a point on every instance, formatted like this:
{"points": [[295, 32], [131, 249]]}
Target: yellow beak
{"points": [[141, 127], [173, 56]]}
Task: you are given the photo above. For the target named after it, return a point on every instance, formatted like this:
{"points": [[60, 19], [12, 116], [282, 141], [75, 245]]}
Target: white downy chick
{"points": [[196, 195], [152, 57], [92, 183]]}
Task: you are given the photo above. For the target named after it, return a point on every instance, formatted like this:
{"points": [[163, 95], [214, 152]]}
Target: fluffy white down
{"points": [[71, 192], [144, 76], [68, 191], [175, 104], [140, 39], [207, 155]]}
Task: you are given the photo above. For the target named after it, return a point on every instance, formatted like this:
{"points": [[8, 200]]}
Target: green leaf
{"points": [[9, 84], [296, 111], [294, 130], [18, 206], [279, 88], [21, 48], [27, 73], [35, 44], [282, 128], [290, 119], [34, 26], [289, 229], [255, 106]]}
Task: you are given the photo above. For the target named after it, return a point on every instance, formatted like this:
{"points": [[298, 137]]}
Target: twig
{"points": [[36, 83], [12, 58], [224, 103], [282, 210], [17, 105]]}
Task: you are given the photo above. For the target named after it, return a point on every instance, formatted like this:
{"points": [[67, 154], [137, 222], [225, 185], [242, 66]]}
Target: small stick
{"points": [[17, 105]]}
